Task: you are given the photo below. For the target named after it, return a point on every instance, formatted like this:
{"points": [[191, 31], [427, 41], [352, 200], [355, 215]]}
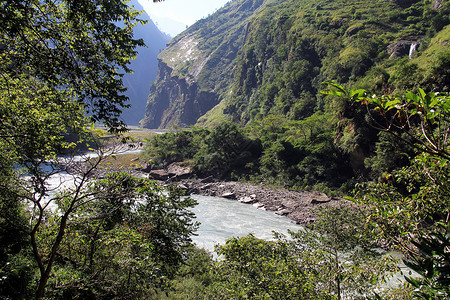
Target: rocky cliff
{"points": [[196, 67], [176, 100], [255, 58], [145, 67]]}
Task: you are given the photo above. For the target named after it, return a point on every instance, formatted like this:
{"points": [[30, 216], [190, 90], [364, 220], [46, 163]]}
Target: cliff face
{"points": [[255, 58], [176, 101], [197, 67], [145, 67]]}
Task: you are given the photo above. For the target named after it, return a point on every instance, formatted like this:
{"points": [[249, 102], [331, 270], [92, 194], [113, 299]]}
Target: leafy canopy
{"points": [[410, 208], [81, 46]]}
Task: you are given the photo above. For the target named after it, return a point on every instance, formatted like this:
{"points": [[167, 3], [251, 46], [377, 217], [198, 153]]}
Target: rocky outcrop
{"points": [[173, 100], [144, 66], [197, 67], [158, 175], [437, 4], [173, 172], [298, 206], [255, 58], [402, 47]]}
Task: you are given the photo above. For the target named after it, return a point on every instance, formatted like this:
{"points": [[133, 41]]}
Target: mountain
{"points": [[255, 58], [145, 67]]}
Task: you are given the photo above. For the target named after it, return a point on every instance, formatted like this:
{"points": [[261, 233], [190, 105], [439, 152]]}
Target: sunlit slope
{"points": [[254, 58]]}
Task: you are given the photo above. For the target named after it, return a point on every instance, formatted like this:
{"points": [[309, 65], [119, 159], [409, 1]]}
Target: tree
{"points": [[335, 258], [423, 117], [59, 60], [32, 127], [228, 149], [348, 260], [127, 240], [411, 207], [83, 46], [256, 269]]}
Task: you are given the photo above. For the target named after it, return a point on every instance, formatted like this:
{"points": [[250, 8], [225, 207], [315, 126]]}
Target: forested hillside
{"points": [[254, 58], [73, 227], [261, 65]]}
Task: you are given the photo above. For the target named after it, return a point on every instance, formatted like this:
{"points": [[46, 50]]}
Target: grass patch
{"points": [[135, 134], [128, 160]]}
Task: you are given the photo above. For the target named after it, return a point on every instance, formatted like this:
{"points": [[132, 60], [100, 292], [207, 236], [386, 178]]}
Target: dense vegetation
{"points": [[285, 58], [281, 130], [406, 209], [114, 236], [296, 154], [63, 233], [270, 57], [266, 61]]}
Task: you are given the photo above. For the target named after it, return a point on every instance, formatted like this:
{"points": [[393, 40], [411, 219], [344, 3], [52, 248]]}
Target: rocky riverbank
{"points": [[299, 206]]}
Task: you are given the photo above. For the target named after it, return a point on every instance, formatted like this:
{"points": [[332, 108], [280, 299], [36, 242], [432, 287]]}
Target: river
{"points": [[219, 218], [222, 218]]}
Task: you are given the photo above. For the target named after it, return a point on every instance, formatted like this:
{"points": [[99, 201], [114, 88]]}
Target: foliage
{"points": [[32, 131], [258, 269], [16, 263], [223, 150], [265, 61], [347, 256], [170, 147], [228, 149], [193, 277], [300, 154], [262, 58], [127, 241], [59, 60], [433, 264], [390, 154], [81, 47], [335, 259], [410, 209]]}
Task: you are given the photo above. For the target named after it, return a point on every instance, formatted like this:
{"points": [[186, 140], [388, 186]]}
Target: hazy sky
{"points": [[172, 16]]}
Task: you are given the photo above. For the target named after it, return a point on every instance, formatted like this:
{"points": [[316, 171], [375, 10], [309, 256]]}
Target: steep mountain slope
{"points": [[145, 67], [254, 58]]}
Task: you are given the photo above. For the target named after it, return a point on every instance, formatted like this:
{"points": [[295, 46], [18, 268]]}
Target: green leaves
{"points": [[424, 117], [130, 234], [33, 124], [410, 209], [79, 47], [339, 91], [256, 269], [432, 263]]}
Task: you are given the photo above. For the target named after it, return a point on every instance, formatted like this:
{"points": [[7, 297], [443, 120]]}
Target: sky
{"points": [[173, 16]]}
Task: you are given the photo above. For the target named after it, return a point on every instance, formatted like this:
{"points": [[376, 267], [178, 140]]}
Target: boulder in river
{"points": [[176, 169], [229, 195], [247, 200], [159, 175]]}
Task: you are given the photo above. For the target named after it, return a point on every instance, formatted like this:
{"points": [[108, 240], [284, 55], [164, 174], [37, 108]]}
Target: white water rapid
{"points": [[219, 218], [222, 218]]}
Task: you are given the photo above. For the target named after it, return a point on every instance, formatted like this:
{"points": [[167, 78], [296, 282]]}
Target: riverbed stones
{"points": [[259, 205], [284, 211], [176, 169], [159, 175], [298, 206], [247, 200], [229, 195], [317, 201]]}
